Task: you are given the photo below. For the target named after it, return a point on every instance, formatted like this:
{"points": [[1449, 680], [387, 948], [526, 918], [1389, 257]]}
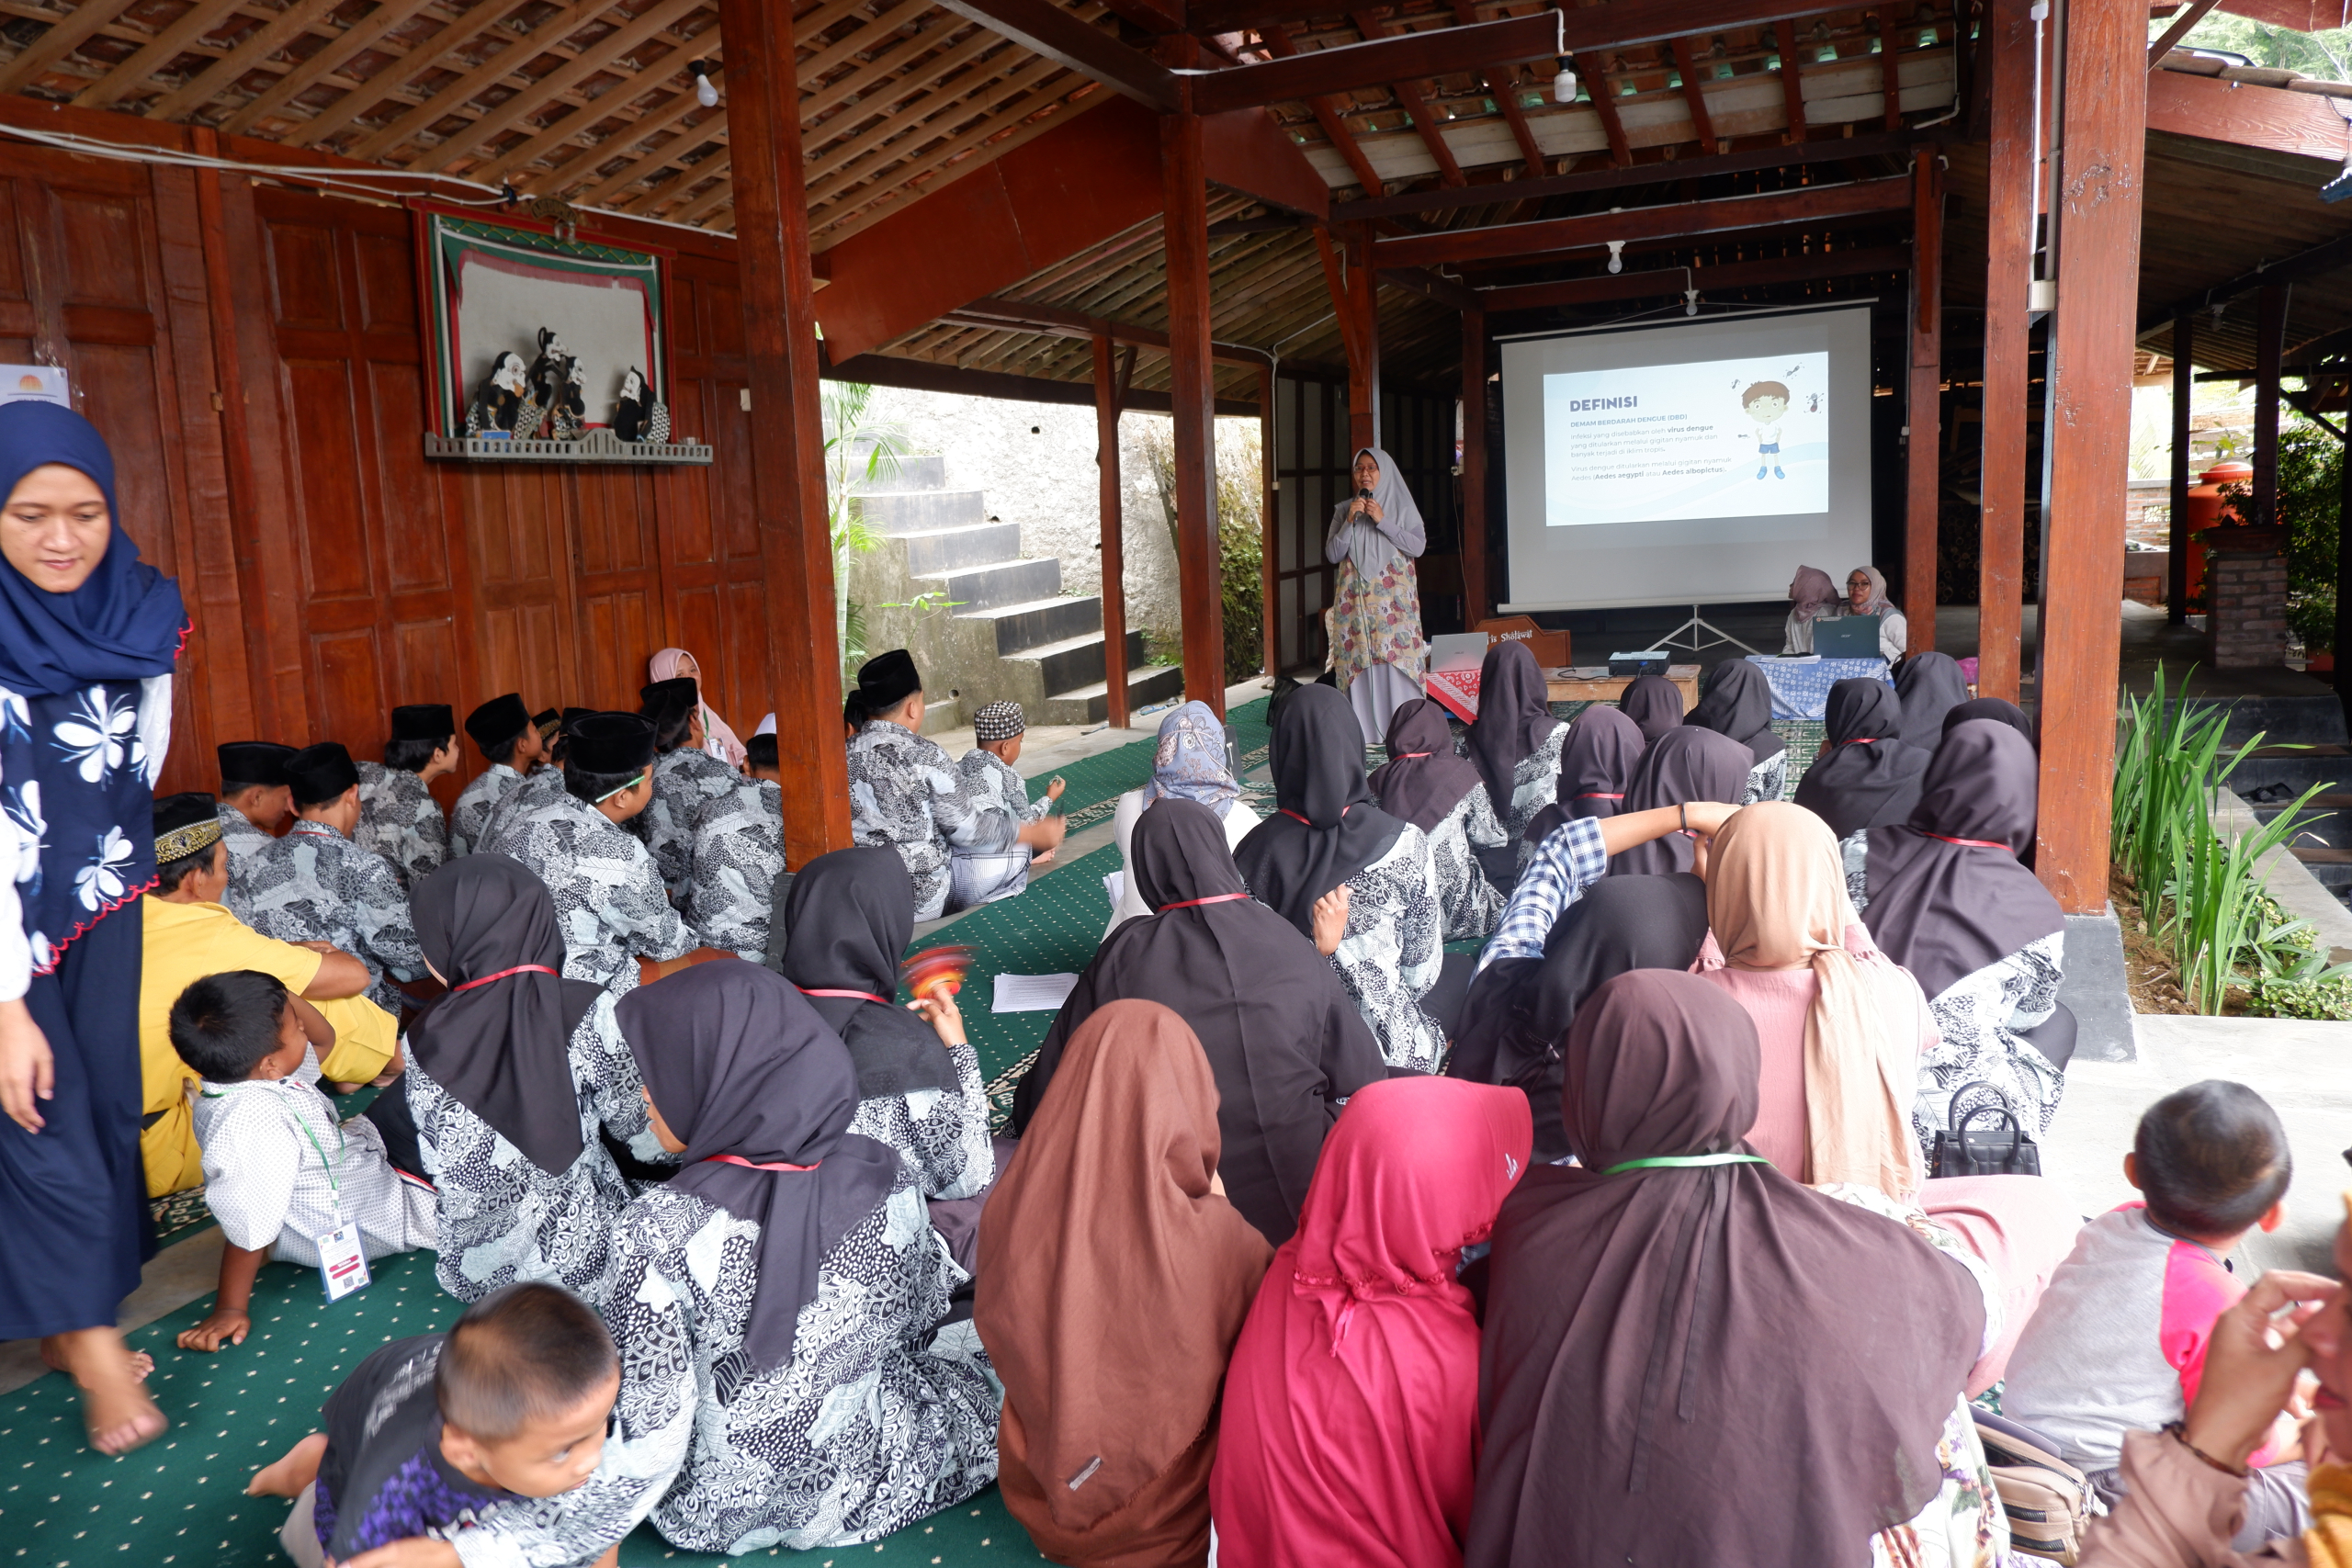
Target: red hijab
{"points": [[1349, 1426]]}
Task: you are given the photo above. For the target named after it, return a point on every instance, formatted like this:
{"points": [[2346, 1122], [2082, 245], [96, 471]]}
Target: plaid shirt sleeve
{"points": [[1566, 862]]}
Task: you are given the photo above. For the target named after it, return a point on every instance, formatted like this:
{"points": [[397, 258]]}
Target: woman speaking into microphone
{"points": [[1377, 647]]}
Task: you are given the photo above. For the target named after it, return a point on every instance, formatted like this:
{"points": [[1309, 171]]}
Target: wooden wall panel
{"points": [[319, 397], [347, 683], [309, 291], [417, 548], [618, 631]]}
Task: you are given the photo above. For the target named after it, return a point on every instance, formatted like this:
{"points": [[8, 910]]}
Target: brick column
{"points": [[2245, 598]]}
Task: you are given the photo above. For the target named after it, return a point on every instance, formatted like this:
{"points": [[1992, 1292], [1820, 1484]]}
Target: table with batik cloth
{"points": [[1801, 684], [1457, 690]]}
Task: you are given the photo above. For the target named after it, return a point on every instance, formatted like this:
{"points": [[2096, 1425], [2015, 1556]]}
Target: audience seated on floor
{"points": [[256, 797], [1424, 783], [688, 780], [399, 818], [189, 933], [1188, 762], [1114, 1276], [1349, 1429], [1684, 766], [906, 794], [1515, 743], [1865, 774], [608, 890], [431, 1436], [1285, 1042], [514, 1080], [1737, 701], [511, 742], [2119, 1344], [317, 884], [284, 1178]]}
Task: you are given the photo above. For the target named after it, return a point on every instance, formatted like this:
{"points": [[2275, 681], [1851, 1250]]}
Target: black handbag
{"points": [[1966, 1148]]}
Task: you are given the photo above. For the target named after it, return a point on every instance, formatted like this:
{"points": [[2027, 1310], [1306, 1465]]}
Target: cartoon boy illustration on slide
{"points": [[1765, 402]]}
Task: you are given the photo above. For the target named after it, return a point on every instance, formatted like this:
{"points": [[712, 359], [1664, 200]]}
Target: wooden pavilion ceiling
{"points": [[594, 103]]}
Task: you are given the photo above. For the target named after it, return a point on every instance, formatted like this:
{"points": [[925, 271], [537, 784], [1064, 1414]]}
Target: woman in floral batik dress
{"points": [[1375, 621]]}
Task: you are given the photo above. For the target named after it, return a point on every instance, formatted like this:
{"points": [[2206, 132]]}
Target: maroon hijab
{"points": [[1946, 893], [1596, 763], [1655, 703], [1865, 775], [1701, 1363], [1684, 765], [1422, 780]]}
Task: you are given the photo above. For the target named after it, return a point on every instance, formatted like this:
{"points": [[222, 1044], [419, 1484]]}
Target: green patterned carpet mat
{"points": [[180, 1500]]}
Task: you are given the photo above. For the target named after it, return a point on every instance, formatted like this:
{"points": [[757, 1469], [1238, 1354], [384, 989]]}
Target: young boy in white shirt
{"points": [[280, 1170]]}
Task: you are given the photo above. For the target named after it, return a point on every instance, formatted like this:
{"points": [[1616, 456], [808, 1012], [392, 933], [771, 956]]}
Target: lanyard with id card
{"points": [[343, 1256]]}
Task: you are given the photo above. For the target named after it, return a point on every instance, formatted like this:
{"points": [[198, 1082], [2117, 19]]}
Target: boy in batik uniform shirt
{"points": [[255, 799], [607, 891], [503, 728], [905, 792], [316, 885], [543, 787], [687, 781], [399, 818]]}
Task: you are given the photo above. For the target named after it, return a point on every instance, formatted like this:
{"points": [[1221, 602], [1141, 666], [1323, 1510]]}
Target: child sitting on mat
{"points": [[280, 1173], [430, 1435]]}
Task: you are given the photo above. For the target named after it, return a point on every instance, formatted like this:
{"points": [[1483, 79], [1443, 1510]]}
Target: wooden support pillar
{"points": [[2269, 350], [2343, 582], [1474, 467], [1109, 392], [1191, 389], [2102, 139], [2011, 207], [2184, 383], [1270, 486], [1923, 403], [787, 433], [1362, 309]]}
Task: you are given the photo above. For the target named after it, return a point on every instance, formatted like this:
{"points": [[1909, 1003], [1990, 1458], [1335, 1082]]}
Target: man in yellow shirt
{"points": [[189, 934]]}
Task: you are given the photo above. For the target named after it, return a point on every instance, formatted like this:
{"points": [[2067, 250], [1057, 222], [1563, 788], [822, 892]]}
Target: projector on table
{"points": [[1650, 662]]}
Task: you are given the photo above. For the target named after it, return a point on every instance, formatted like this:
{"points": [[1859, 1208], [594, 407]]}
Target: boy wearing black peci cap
{"points": [[316, 885], [511, 741], [607, 891], [688, 780], [255, 803], [399, 818], [538, 787]]}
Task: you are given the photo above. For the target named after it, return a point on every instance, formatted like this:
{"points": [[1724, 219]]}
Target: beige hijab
{"points": [[1776, 899]]}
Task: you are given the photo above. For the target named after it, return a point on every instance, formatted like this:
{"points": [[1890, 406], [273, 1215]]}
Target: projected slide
{"points": [[1711, 438]]}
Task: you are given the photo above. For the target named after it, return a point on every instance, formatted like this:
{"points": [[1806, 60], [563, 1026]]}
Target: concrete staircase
{"points": [[984, 622], [2306, 745]]}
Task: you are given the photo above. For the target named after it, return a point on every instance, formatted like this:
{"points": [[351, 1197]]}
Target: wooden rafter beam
{"points": [[1611, 26], [354, 41], [2188, 17], [515, 53], [1890, 67], [1784, 33], [1547, 236], [63, 37], [1874, 144], [1406, 56], [908, 151], [1044, 28], [895, 135], [256, 46], [167, 45], [629, 134], [688, 140], [1001, 315], [888, 84], [2329, 255], [1686, 66], [1604, 104], [1499, 83], [1409, 95], [646, 26], [1335, 128], [1663, 281]]}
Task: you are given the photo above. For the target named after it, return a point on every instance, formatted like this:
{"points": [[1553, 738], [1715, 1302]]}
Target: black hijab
{"points": [[1422, 780], [1686, 764], [1943, 908], [1514, 719], [1683, 1341], [1930, 686], [1519, 1009], [847, 918], [1865, 776], [742, 1067], [1325, 828], [1999, 711], [1738, 701], [1283, 1040], [1655, 703], [501, 1047], [1596, 763]]}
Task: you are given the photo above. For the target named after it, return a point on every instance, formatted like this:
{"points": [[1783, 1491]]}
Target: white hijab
{"points": [[1375, 546]]}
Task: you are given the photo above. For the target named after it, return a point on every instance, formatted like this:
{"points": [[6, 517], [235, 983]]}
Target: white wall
{"points": [[1035, 461]]}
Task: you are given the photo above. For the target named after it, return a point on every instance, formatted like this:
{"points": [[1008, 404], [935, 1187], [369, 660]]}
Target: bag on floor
{"points": [[1966, 1148], [2047, 1500]]}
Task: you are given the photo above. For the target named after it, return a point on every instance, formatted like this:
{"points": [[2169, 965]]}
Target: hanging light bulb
{"points": [[1616, 255], [1690, 301], [1564, 85], [705, 94]]}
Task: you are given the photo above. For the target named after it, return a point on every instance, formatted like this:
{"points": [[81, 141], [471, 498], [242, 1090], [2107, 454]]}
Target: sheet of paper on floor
{"points": [[1031, 993], [1115, 883]]}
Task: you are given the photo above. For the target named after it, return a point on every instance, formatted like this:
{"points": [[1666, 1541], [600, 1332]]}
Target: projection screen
{"points": [[1702, 461]]}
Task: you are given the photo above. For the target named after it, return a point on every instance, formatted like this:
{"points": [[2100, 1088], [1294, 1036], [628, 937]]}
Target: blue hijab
{"points": [[1189, 762], [125, 623]]}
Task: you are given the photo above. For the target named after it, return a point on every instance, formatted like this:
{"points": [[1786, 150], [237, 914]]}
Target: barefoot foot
{"points": [[116, 1410], [289, 1475]]}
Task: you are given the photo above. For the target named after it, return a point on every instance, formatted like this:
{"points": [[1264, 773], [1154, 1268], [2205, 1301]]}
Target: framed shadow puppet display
{"points": [[547, 347]]}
